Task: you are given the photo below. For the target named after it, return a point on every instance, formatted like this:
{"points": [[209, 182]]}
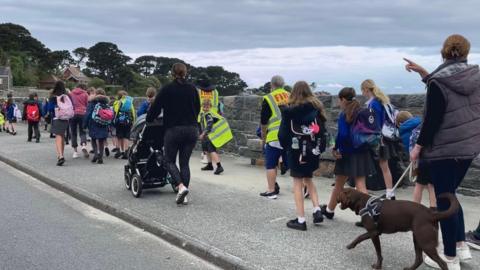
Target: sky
{"points": [[333, 43]]}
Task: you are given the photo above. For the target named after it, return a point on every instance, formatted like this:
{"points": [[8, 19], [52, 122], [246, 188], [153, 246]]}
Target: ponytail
{"points": [[377, 93], [352, 106]]}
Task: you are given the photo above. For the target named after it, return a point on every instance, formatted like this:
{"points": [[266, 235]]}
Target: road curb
{"points": [[196, 247]]}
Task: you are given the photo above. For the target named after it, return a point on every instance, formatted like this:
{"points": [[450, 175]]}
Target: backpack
{"points": [[414, 137], [102, 114], [389, 128], [17, 114], [364, 130], [307, 140], [123, 119], [64, 109], [33, 113], [126, 105]]}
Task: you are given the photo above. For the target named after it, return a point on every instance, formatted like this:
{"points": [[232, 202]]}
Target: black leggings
{"points": [[180, 140], [33, 128], [98, 146]]}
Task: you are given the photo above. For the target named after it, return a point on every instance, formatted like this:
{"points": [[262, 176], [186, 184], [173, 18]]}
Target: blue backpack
{"points": [[364, 129]]}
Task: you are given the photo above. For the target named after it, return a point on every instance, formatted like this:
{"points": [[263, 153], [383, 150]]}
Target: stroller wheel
{"points": [[128, 180], [136, 185]]}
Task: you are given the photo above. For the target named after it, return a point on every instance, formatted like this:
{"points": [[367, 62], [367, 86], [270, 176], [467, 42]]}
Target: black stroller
{"points": [[145, 168]]}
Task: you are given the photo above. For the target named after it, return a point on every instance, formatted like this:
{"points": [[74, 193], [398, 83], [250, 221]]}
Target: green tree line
{"points": [[107, 65]]}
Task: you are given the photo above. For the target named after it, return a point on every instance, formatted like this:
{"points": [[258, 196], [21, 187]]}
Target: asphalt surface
{"points": [[227, 213], [42, 228]]}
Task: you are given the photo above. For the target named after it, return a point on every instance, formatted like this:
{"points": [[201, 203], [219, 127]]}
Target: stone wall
{"points": [[243, 114]]}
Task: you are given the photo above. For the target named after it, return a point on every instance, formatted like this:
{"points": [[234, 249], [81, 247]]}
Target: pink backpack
{"points": [[64, 109]]}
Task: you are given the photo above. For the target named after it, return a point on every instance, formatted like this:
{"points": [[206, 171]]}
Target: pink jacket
{"points": [[79, 99]]}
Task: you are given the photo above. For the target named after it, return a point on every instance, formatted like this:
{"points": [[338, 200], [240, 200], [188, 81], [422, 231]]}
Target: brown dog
{"points": [[400, 216]]}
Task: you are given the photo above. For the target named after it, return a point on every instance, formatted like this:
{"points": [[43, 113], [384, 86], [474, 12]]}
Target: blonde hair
{"points": [[372, 87], [100, 91], [302, 94], [402, 116], [151, 92], [455, 47]]}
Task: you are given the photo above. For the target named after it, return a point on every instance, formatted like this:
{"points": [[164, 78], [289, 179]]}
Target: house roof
{"points": [[75, 73], [49, 78], [4, 71]]}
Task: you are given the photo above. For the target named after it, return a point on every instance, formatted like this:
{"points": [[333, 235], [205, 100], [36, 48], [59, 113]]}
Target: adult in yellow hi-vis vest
{"points": [[215, 133], [207, 91], [271, 117]]}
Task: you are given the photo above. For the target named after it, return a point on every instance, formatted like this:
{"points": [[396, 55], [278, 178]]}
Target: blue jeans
{"points": [[447, 175]]}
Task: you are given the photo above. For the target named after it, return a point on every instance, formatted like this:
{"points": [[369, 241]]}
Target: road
{"points": [[42, 228]]}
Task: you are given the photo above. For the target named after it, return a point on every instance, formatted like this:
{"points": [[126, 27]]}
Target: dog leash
{"points": [[407, 170]]}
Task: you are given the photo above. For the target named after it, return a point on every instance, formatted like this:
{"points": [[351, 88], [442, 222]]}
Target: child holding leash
{"points": [[409, 129]]}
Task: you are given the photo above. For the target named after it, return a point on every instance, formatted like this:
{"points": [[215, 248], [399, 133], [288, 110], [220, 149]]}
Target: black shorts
{"points": [[207, 146], [123, 132], [424, 177]]}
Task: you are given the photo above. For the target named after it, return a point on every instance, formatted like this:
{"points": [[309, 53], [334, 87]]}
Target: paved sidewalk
{"points": [[226, 212]]}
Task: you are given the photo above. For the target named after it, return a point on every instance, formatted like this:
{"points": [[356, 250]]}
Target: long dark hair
{"points": [[352, 106], [59, 89]]}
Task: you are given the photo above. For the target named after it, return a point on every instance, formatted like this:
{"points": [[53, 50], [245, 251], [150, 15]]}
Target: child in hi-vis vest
{"points": [[215, 134]]}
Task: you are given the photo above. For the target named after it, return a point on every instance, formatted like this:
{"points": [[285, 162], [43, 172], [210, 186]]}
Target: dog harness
{"points": [[372, 208]]}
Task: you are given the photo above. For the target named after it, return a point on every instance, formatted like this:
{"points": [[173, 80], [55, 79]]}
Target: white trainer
{"points": [[453, 264], [464, 253], [204, 159], [75, 155]]}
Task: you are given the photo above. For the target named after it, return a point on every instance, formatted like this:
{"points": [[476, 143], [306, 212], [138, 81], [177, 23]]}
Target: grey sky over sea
{"points": [[334, 43]]}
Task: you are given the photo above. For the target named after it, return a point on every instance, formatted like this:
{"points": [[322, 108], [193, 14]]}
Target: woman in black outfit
{"points": [[450, 137], [180, 103]]}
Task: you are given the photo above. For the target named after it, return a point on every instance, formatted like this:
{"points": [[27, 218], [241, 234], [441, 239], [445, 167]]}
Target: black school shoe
{"points": [[270, 195], [60, 161], [359, 224], [328, 215], [317, 217], [125, 155], [94, 159], [100, 161], [219, 170], [107, 152], [294, 224], [118, 154], [277, 188], [208, 167]]}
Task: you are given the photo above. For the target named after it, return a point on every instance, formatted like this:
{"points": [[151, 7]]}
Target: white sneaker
{"points": [[204, 159], [464, 253], [185, 201], [182, 193], [453, 264], [75, 155]]}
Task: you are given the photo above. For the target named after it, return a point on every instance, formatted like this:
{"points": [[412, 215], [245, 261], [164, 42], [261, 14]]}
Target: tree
{"points": [[81, 53], [164, 65], [146, 64], [105, 60], [96, 82], [227, 83], [60, 60]]}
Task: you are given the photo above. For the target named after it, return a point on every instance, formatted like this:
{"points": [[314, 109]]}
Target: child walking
{"points": [[303, 134], [409, 129], [215, 133], [32, 113], [98, 119], [350, 162], [11, 110]]}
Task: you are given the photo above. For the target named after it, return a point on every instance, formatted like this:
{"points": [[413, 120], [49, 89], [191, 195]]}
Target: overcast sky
{"points": [[334, 43]]}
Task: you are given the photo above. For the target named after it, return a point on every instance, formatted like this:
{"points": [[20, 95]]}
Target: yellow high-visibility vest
{"points": [[214, 100], [221, 133], [276, 98]]}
